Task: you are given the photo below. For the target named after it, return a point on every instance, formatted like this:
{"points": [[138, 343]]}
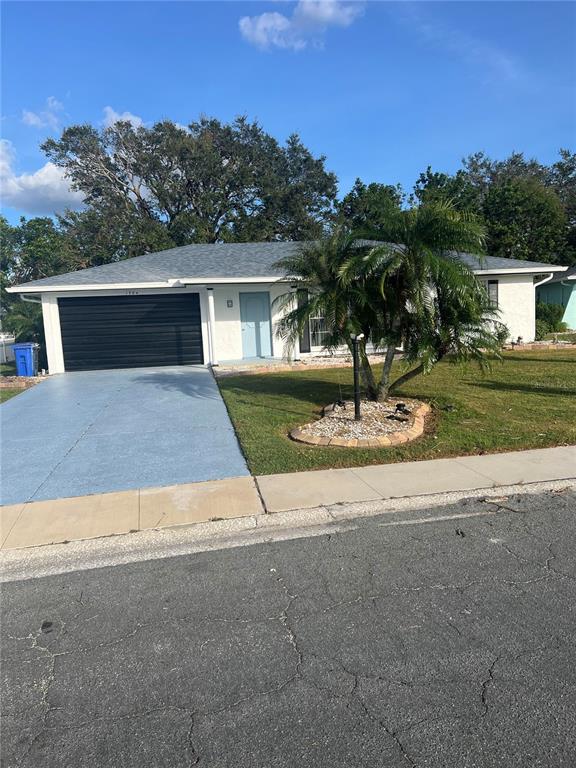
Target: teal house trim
{"points": [[561, 290]]}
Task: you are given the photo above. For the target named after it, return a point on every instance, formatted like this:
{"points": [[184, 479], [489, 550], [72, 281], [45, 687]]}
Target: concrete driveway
{"points": [[99, 431]]}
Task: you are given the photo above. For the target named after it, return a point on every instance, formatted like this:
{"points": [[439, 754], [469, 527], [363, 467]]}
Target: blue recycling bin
{"points": [[26, 358]]}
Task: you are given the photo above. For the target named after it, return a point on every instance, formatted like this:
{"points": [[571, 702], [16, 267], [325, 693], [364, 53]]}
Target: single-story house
{"points": [[561, 289], [205, 304]]}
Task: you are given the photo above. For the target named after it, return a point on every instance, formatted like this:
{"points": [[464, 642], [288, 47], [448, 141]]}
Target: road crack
{"points": [[485, 685]]}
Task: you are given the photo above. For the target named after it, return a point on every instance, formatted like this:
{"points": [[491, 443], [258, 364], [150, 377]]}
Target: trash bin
{"points": [[26, 357]]}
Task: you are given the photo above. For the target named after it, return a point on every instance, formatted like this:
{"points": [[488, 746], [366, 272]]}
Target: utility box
{"points": [[26, 358]]}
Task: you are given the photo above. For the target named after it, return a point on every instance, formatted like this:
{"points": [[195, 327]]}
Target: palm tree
{"points": [[408, 289], [459, 322], [348, 308], [433, 303]]}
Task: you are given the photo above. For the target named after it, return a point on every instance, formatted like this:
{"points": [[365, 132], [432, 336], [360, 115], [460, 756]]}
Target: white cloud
{"points": [[44, 192], [49, 117], [306, 25], [111, 117], [492, 62], [326, 12], [270, 30], [32, 118]]}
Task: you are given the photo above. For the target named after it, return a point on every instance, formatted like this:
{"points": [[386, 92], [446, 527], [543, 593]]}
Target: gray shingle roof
{"points": [[570, 274], [221, 260], [497, 263]]}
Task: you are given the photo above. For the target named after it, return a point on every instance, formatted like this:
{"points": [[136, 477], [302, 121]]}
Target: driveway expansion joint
{"points": [[76, 442]]}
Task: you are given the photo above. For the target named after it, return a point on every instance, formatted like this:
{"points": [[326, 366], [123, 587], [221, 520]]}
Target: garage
{"points": [[100, 332]]}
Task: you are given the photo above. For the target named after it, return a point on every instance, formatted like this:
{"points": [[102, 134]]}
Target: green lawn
{"points": [[8, 369], [528, 401], [6, 394]]}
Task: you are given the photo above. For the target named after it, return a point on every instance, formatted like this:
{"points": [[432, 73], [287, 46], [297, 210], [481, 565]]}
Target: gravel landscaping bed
{"points": [[338, 421], [390, 423]]}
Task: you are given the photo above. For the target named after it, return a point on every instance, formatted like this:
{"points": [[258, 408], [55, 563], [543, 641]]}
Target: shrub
{"points": [[542, 329], [551, 314]]}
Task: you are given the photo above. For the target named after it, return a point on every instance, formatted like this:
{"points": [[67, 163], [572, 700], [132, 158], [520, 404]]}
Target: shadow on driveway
{"points": [[197, 387]]}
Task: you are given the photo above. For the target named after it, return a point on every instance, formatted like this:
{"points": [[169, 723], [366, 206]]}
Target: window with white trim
{"points": [[318, 332]]}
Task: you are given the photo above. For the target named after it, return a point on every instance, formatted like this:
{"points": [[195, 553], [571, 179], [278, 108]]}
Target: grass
{"points": [[527, 401], [8, 369], [6, 394]]}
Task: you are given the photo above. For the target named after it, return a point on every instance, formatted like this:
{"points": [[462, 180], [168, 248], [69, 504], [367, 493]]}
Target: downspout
{"points": [[537, 285], [31, 299], [546, 279]]}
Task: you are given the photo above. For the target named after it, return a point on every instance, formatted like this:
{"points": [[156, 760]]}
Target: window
{"points": [[491, 287], [318, 331], [302, 299]]}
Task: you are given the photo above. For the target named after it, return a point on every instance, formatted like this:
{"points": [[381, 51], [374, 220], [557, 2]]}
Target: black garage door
{"points": [[130, 331]]}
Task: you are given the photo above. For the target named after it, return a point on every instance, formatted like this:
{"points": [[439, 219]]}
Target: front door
{"points": [[255, 318]]}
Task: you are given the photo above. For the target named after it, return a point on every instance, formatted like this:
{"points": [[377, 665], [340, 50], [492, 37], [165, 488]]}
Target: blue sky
{"points": [[381, 88]]}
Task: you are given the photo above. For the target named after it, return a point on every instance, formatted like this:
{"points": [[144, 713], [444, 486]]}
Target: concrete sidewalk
{"points": [[109, 514], [304, 490], [85, 517]]}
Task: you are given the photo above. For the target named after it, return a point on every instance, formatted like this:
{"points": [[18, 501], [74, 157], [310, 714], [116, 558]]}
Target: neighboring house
{"points": [[210, 304], [561, 290], [6, 351]]}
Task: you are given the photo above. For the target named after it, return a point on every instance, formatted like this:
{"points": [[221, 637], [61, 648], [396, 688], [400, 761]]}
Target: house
{"points": [[561, 289], [211, 303]]}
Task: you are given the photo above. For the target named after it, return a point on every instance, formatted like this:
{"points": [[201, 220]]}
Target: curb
{"points": [[186, 539]]}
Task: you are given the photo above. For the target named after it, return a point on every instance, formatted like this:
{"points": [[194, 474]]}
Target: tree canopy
{"points": [[369, 206], [212, 182], [525, 220], [529, 209], [34, 249]]}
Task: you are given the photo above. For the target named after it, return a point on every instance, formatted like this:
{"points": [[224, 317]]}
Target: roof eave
{"points": [[231, 280], [173, 283], [24, 288], [206, 280], [520, 270]]}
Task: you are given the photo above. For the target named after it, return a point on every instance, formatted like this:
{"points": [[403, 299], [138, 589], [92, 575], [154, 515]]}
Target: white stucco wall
{"points": [[52, 333], [228, 332], [228, 324], [516, 299], [517, 304]]}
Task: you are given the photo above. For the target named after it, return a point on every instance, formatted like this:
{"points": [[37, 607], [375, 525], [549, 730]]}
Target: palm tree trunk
{"points": [[367, 374], [384, 388], [406, 377]]}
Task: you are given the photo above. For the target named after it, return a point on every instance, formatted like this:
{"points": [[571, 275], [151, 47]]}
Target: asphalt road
{"points": [[410, 641]]}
